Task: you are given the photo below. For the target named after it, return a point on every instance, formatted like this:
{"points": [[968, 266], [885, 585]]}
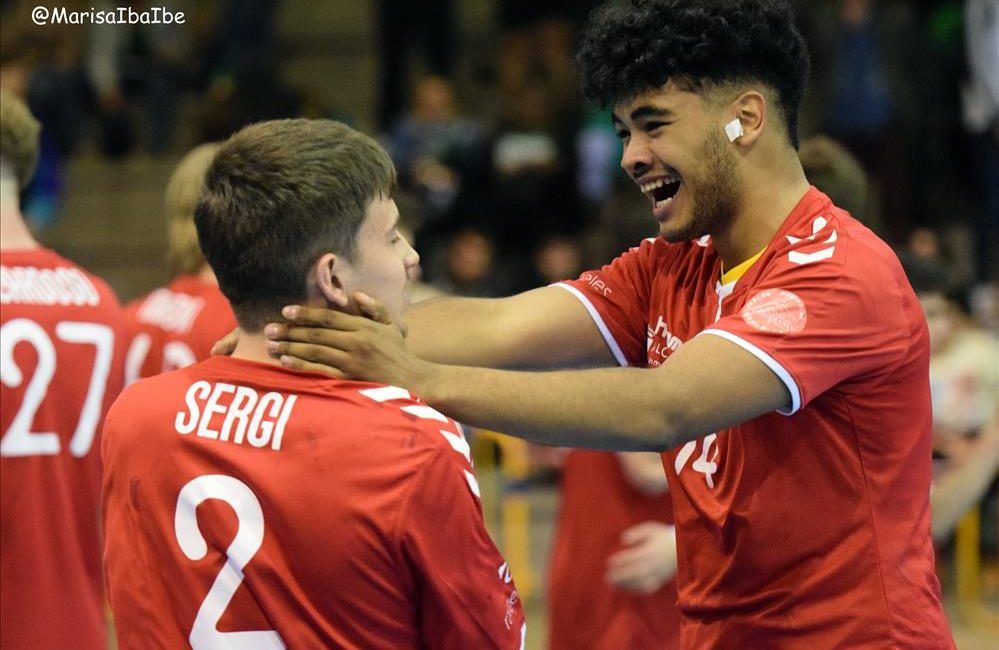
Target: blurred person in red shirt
{"points": [[62, 350], [611, 582], [176, 325]]}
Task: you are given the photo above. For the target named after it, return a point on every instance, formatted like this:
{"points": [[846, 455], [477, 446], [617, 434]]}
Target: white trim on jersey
{"points": [[424, 412], [595, 315], [386, 393], [775, 367], [458, 443], [473, 485]]}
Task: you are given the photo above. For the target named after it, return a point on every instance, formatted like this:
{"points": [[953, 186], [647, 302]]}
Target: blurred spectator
{"points": [[863, 95], [441, 158], [985, 305], [964, 370], [400, 23], [623, 222], [865, 113], [242, 69], [536, 46], [556, 258], [43, 68], [470, 267], [963, 480], [831, 168], [964, 385], [137, 64], [533, 172], [924, 244], [981, 118], [599, 152]]}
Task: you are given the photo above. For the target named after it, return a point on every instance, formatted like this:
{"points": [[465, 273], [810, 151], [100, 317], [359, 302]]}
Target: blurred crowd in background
{"points": [[509, 180]]}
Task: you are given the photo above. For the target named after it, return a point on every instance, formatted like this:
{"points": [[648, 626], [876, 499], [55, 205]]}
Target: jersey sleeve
{"points": [[467, 598], [817, 318], [617, 298]]}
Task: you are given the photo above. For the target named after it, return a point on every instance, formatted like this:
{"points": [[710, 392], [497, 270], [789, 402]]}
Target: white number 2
{"points": [[19, 439], [249, 536]]}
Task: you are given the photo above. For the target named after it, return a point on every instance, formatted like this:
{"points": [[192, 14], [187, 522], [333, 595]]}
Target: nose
{"points": [[410, 258], [636, 157]]}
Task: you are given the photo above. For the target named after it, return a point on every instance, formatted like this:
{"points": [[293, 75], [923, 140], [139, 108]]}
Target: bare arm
{"points": [[542, 328], [648, 559], [960, 488], [708, 384]]}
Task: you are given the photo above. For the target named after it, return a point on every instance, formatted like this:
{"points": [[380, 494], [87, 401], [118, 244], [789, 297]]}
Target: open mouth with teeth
{"points": [[662, 191]]}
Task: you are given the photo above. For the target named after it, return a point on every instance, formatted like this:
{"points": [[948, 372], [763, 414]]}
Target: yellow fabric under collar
{"points": [[739, 270]]}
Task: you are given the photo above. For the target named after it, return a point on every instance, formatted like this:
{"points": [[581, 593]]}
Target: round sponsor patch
{"points": [[775, 310]]}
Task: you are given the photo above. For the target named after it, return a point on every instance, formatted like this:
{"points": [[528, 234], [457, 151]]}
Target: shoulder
{"points": [[42, 277], [832, 245], [152, 394], [426, 428]]}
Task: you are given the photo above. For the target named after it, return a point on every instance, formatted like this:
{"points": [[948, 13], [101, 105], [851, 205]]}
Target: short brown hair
{"points": [[18, 137], [277, 196], [180, 200]]}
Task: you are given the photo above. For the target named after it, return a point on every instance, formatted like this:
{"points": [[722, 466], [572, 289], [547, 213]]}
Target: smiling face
{"points": [[383, 263], [675, 149]]}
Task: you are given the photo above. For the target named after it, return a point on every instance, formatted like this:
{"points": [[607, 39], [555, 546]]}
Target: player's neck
{"points": [[766, 203], [252, 346], [14, 233], [206, 275]]}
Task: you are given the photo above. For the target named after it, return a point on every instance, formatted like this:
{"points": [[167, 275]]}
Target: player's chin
{"points": [[676, 233]]}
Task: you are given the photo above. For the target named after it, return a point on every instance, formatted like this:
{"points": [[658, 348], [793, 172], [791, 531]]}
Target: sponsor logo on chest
{"points": [[660, 342]]}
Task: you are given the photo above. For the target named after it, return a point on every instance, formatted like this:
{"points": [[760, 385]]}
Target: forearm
{"points": [[708, 385], [542, 328], [455, 331], [614, 409]]}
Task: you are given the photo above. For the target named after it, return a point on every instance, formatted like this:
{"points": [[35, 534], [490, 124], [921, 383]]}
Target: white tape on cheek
{"points": [[733, 130]]}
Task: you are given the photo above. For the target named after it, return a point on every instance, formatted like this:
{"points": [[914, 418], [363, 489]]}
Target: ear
{"points": [[331, 273], [751, 114]]}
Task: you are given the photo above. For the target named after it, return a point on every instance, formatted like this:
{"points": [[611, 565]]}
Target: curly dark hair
{"points": [[627, 49]]}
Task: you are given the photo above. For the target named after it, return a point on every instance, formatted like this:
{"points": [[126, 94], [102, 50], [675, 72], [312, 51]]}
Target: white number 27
{"points": [[19, 439], [249, 537]]}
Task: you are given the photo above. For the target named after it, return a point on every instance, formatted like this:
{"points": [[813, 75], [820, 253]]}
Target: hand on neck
{"points": [[252, 346]]}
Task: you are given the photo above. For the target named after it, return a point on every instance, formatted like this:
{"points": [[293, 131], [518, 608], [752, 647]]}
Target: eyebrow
{"points": [[643, 112]]}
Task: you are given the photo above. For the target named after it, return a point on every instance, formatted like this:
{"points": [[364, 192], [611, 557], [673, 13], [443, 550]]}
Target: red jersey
{"points": [[585, 611], [176, 326], [247, 505], [808, 529], [62, 349]]}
